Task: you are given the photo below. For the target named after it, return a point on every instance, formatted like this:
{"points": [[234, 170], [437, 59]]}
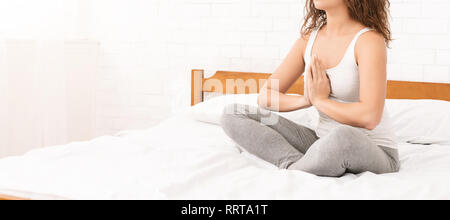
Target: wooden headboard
{"points": [[227, 82]]}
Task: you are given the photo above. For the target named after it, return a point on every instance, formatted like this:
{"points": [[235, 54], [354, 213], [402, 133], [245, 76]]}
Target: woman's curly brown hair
{"points": [[371, 13]]}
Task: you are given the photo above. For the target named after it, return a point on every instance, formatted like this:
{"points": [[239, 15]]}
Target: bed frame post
{"points": [[197, 77]]}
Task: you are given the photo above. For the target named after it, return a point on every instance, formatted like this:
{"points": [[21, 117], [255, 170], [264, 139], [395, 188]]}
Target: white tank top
{"points": [[345, 87]]}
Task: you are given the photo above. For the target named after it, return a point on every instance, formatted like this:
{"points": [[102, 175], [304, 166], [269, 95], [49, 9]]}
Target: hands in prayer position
{"points": [[317, 83]]}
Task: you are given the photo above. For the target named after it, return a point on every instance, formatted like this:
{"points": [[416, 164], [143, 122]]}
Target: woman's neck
{"points": [[338, 21]]}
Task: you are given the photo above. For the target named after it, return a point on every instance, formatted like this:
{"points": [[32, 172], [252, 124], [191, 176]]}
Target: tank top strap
{"points": [[355, 39]]}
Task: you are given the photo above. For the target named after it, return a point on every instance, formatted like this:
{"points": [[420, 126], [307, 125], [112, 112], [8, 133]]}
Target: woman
{"points": [[342, 52]]}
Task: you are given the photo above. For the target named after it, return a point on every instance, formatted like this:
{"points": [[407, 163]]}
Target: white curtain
{"points": [[47, 75], [46, 93]]}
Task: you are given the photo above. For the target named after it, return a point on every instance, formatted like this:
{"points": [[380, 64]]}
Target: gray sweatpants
{"points": [[292, 146]]}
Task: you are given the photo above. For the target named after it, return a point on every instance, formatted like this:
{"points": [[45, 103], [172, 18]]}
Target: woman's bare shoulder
{"points": [[302, 42], [304, 38], [370, 39], [370, 45]]}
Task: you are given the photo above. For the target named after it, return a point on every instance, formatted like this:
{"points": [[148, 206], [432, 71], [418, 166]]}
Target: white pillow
{"points": [[210, 111], [421, 121]]}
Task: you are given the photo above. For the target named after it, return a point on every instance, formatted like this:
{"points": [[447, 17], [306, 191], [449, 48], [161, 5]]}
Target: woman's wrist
{"points": [[305, 102], [318, 103]]}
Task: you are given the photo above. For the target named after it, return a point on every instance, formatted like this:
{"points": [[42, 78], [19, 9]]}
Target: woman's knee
{"points": [[227, 119], [231, 116], [393, 158], [237, 109]]}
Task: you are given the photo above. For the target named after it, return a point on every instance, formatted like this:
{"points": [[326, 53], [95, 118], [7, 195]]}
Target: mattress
{"points": [[185, 159]]}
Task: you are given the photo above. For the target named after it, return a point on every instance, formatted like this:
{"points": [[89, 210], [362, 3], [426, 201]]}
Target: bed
{"points": [[186, 158]]}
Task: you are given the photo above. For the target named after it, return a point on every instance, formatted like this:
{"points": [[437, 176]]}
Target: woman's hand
{"points": [[306, 98], [318, 83]]}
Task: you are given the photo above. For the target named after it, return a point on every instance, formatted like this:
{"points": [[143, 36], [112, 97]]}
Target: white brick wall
{"points": [[149, 48], [421, 51]]}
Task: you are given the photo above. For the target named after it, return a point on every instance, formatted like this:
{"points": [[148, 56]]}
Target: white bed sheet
{"points": [[185, 159]]}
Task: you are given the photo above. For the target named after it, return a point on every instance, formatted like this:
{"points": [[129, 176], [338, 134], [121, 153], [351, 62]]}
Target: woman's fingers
{"points": [[306, 81], [309, 77], [313, 68], [323, 71], [319, 69], [316, 69], [309, 81]]}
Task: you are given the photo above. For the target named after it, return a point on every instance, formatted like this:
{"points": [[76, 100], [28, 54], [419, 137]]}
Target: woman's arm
{"points": [[372, 61], [273, 94]]}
